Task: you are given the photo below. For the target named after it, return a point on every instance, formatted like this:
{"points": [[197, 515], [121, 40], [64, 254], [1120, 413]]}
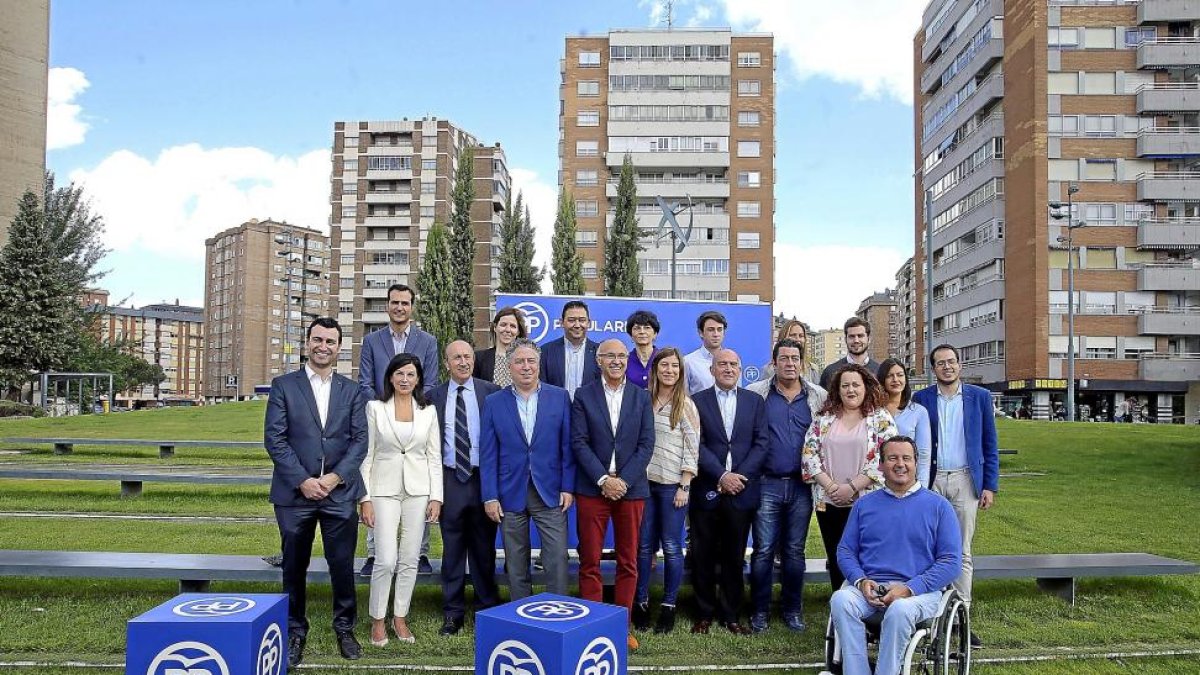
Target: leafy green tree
{"points": [[526, 252], [74, 230], [462, 250], [517, 271], [436, 286], [566, 265], [130, 370], [621, 246]]}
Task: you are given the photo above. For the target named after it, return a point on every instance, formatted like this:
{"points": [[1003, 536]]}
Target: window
{"points": [[749, 59], [1135, 36], [586, 238], [749, 179], [587, 207], [429, 165], [584, 178], [589, 270], [748, 240], [350, 165], [1063, 38], [1100, 169], [386, 163], [1063, 169], [346, 282], [349, 187], [587, 148], [1100, 348], [345, 308], [1131, 82], [1138, 212], [749, 209], [389, 258], [427, 212], [588, 88], [347, 258], [1135, 346], [587, 118], [1062, 83], [748, 149], [749, 87], [428, 187], [589, 59], [1099, 83], [1100, 259], [349, 211], [1100, 38], [748, 118], [1100, 125], [351, 142], [748, 270], [1100, 214]]}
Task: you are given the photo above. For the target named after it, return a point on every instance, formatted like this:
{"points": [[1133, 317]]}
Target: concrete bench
{"points": [[166, 449], [1055, 573], [132, 476]]}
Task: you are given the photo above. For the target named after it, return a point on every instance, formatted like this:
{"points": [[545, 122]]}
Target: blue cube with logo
{"points": [[547, 634], [212, 634]]}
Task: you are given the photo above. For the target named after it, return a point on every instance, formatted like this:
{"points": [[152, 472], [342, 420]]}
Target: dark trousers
{"points": [[833, 522], [339, 534], [719, 540], [467, 534]]}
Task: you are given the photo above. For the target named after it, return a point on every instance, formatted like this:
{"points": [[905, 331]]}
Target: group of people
{"points": [[642, 438]]}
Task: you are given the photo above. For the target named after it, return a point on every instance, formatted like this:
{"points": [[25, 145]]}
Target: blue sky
{"points": [[186, 118]]}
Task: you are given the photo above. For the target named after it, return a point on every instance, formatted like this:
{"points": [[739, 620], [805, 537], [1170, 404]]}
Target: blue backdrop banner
{"points": [[749, 333]]}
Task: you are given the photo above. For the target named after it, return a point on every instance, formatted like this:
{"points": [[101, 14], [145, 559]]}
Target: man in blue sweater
{"points": [[901, 547]]}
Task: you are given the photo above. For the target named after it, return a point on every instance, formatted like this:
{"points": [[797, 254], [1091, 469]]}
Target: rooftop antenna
{"points": [[670, 14]]}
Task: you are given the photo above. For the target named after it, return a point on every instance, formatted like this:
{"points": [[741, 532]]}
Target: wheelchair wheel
{"points": [[833, 655], [919, 654], [954, 641]]}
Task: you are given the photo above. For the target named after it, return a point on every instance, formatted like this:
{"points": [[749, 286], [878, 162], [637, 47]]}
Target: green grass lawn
{"points": [[1103, 488]]}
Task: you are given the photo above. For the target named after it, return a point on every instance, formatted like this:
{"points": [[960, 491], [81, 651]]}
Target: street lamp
{"points": [[1057, 214]]}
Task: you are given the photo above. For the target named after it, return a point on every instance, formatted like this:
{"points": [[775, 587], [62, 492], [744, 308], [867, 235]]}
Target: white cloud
{"points": [[865, 43], [64, 124], [542, 199], [822, 285], [172, 203]]}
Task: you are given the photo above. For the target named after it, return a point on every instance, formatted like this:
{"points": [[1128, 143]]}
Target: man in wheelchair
{"points": [[901, 547]]}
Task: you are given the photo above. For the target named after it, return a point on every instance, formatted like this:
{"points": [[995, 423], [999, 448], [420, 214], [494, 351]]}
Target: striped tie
{"points": [[462, 440]]}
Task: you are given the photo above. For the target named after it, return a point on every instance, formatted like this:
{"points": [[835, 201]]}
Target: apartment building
{"points": [[906, 316], [881, 310], [24, 82], [1025, 103], [265, 281], [694, 109], [392, 181], [168, 335], [828, 346]]}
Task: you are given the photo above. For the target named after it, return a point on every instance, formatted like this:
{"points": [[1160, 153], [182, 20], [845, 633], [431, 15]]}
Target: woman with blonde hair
{"points": [[841, 453], [403, 477], [672, 467], [795, 329]]}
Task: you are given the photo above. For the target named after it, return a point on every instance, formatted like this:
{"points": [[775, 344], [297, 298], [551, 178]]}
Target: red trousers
{"points": [[592, 517]]}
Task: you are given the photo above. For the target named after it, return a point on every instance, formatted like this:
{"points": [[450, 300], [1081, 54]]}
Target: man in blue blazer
{"points": [[316, 435], [467, 532], [965, 463], [377, 350], [570, 361], [733, 448], [612, 434], [527, 469]]}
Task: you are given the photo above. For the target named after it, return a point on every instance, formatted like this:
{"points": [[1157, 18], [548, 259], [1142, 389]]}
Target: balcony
{"points": [[1181, 276], [1154, 11], [675, 187], [1169, 367], [1179, 233], [1174, 321], [1166, 97], [1168, 142], [1168, 186], [669, 159], [1168, 52], [388, 197]]}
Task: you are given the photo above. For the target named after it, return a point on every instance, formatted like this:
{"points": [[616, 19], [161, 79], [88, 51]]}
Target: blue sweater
{"points": [[914, 540]]}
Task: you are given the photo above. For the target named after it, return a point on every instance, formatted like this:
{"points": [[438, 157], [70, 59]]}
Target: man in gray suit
{"points": [[377, 351], [316, 435]]}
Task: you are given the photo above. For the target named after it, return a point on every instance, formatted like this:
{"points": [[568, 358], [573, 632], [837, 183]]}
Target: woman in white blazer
{"points": [[403, 477]]}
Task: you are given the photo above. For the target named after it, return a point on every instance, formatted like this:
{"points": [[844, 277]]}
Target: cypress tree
{"points": [[566, 265], [436, 286], [462, 249], [621, 277]]}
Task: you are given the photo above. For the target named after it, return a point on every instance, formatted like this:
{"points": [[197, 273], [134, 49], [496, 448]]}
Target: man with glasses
{"points": [[570, 361], [965, 463], [612, 435]]}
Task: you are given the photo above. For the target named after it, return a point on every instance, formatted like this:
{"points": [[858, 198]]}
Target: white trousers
{"points": [[396, 556]]}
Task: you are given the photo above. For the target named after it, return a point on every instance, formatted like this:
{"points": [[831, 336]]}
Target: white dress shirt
{"points": [[727, 401], [614, 397], [320, 388]]}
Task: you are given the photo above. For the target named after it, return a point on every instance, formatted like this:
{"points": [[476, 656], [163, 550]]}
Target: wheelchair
{"points": [[940, 645]]}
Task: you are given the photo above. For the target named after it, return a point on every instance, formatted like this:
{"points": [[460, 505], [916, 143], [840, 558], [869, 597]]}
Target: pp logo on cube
{"points": [[550, 635], [206, 634]]}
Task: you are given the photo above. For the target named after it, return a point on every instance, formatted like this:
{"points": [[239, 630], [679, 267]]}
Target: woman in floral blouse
{"points": [[841, 453]]}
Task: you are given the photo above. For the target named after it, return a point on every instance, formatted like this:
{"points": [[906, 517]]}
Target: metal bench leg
{"points": [[131, 488], [166, 451], [193, 585], [63, 448], [1063, 587]]}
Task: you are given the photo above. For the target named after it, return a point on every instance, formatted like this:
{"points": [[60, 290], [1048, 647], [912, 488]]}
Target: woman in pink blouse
{"points": [[840, 455]]}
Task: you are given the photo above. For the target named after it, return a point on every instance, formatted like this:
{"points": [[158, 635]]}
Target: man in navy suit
{"points": [[965, 463], [733, 447], [570, 361], [376, 352], [316, 435], [467, 532], [612, 434], [527, 469]]}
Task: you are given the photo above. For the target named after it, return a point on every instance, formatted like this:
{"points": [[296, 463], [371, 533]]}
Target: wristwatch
{"points": [[685, 488]]}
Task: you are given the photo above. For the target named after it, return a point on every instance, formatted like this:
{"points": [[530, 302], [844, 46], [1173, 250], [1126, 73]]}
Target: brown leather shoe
{"points": [[701, 627], [736, 628], [632, 642]]}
